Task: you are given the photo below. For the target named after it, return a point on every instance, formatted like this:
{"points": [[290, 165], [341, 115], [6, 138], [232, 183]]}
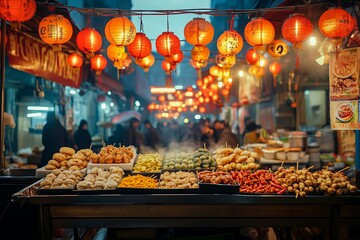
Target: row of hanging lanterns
{"points": [[55, 29]]}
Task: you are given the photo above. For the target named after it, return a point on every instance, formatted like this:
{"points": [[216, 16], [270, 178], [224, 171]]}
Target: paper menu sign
{"points": [[344, 114], [344, 74]]}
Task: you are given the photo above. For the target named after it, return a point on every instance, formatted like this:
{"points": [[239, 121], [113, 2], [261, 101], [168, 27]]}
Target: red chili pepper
{"points": [[274, 184], [282, 191]]}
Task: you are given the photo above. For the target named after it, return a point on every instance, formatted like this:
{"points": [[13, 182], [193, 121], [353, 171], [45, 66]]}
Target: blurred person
{"points": [[262, 133], [218, 127], [251, 135], [82, 137], [151, 136], [133, 136], [227, 137], [119, 136], [206, 133], [54, 136]]}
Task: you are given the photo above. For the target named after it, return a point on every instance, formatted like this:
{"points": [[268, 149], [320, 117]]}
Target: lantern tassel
{"points": [[274, 76], [297, 61]]}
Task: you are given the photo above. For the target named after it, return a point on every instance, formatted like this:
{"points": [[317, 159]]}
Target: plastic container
{"points": [[293, 156], [269, 154], [281, 155]]}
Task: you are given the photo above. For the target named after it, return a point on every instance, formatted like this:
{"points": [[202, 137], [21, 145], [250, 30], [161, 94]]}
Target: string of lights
{"points": [[109, 12]]}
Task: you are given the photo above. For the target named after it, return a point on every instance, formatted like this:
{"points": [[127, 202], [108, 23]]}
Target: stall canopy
{"points": [[28, 53]]}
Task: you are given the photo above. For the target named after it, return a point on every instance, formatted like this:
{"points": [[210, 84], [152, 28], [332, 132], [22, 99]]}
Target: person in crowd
{"points": [[152, 138], [218, 127], [262, 133], [251, 135], [119, 136], [82, 137], [134, 137], [54, 136], [166, 134], [206, 133], [227, 137]]}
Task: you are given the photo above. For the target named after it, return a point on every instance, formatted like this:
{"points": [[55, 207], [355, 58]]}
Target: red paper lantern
{"points": [[55, 29], [197, 65], [336, 23], [140, 47], [202, 109], [167, 66], [259, 32], [75, 60], [98, 63], [167, 44], [275, 68], [199, 32], [162, 98], [120, 31], [200, 53], [229, 42], [17, 10], [89, 41], [252, 56], [296, 29]]}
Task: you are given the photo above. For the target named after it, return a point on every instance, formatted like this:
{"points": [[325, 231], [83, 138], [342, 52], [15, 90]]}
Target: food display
{"points": [[302, 182], [345, 112], [260, 182], [138, 181], [230, 159], [282, 154], [150, 162], [66, 179], [99, 179], [216, 177], [178, 180], [67, 158], [200, 159], [111, 154]]}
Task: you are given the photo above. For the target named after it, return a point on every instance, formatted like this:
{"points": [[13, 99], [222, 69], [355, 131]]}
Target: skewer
{"points": [[310, 167], [297, 194], [345, 168], [282, 163], [327, 168], [90, 146], [297, 166], [237, 145], [225, 144], [204, 145]]}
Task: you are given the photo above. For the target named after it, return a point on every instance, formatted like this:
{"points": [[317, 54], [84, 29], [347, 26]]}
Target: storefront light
{"points": [[186, 120], [109, 93], [312, 41], [112, 104], [241, 73], [197, 116], [72, 91], [229, 80], [194, 86], [36, 114], [40, 108], [220, 84], [179, 87], [103, 106], [137, 103], [307, 92]]}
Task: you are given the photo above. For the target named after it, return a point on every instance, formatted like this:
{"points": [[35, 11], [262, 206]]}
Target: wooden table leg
{"points": [[45, 223]]}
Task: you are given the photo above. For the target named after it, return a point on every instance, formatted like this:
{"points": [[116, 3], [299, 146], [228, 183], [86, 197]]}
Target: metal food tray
{"points": [[219, 188], [139, 190], [54, 191]]}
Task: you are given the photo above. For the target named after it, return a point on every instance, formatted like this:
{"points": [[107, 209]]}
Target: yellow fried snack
{"points": [[138, 181]]}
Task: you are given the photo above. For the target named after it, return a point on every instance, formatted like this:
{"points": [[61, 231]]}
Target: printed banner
{"points": [[38, 58], [344, 66]]}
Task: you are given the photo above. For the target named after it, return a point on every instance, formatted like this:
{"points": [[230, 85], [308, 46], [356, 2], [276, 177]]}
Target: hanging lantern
{"points": [[225, 92], [199, 32], [162, 98], [89, 41], [275, 68], [167, 66], [202, 109], [140, 47], [296, 29], [120, 31], [214, 71], [176, 58], [124, 63], [225, 61], [252, 70], [146, 62], [55, 29], [229, 43], [198, 65], [259, 32], [262, 62], [116, 54], [98, 63], [336, 23], [17, 10], [259, 72], [215, 97], [252, 56], [75, 60], [200, 53], [151, 107], [278, 48], [167, 44]]}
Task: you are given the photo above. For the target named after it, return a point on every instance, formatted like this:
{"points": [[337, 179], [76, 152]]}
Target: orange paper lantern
{"points": [[202, 109], [199, 32], [167, 44], [275, 68], [229, 43], [336, 23], [120, 31], [177, 58], [55, 29], [252, 56], [17, 10], [162, 98], [214, 70], [225, 61], [89, 41], [98, 63], [123, 63], [197, 65], [200, 53], [140, 47], [296, 29], [116, 54], [75, 60], [259, 32], [167, 66], [278, 48], [146, 62]]}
